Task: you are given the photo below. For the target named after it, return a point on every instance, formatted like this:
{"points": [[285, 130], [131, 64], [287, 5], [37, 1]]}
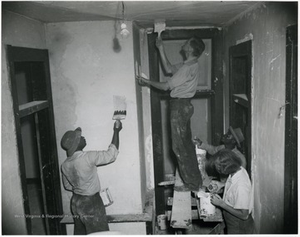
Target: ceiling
{"points": [[174, 13]]}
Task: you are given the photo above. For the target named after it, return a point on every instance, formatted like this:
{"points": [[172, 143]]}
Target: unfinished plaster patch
{"points": [[149, 159], [86, 56]]}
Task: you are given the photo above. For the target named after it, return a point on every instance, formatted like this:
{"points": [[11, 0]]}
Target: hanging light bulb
{"points": [[124, 32], [116, 43]]}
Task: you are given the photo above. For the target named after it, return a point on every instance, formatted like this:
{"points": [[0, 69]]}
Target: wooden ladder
{"points": [[181, 217], [182, 213]]}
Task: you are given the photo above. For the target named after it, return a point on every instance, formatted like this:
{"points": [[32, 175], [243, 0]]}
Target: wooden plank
{"points": [[116, 218], [194, 214], [181, 209], [32, 107], [170, 202]]}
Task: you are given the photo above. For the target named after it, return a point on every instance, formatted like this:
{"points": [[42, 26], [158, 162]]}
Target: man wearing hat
{"points": [[79, 175], [231, 140]]}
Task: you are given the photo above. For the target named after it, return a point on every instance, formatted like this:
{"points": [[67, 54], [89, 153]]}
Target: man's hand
{"points": [[142, 81], [118, 126], [159, 43], [197, 141], [216, 200]]}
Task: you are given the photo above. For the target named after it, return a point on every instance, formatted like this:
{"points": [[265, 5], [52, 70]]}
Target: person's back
{"points": [[81, 174], [81, 169]]}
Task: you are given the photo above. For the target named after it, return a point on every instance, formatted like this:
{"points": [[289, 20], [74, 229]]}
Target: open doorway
{"points": [[36, 140], [33, 177]]}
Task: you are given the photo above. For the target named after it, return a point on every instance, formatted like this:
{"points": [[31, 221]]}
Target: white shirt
{"points": [[238, 191], [183, 83], [80, 170]]}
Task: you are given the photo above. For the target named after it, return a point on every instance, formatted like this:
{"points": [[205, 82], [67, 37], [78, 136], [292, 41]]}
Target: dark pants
{"points": [[235, 225], [89, 214], [183, 147]]}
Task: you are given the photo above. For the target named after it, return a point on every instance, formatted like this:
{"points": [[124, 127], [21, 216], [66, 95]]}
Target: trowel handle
{"points": [[117, 123]]}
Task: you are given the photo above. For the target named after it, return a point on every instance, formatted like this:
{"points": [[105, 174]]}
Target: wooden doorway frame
{"points": [[42, 109], [291, 134], [240, 96], [215, 94]]}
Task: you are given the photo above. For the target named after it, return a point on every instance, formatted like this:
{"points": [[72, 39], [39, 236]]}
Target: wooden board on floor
{"points": [[181, 210]]}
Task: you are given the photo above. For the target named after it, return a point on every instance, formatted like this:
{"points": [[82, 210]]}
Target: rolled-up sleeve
{"points": [[103, 157]]}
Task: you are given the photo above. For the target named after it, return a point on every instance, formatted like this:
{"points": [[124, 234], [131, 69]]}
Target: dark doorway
{"points": [[291, 134], [240, 59], [208, 102], [36, 140]]}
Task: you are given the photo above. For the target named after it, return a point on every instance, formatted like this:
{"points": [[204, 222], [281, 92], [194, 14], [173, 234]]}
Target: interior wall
{"points": [[266, 26], [16, 31], [85, 74]]}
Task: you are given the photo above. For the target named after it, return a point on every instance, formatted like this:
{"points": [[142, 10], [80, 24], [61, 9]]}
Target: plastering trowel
{"points": [[159, 26]]}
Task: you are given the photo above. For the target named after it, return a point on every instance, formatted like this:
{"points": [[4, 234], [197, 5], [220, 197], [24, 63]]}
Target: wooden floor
{"points": [[198, 227]]}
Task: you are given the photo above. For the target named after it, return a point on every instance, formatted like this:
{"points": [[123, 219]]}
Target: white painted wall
{"points": [[16, 31], [267, 26], [85, 74]]}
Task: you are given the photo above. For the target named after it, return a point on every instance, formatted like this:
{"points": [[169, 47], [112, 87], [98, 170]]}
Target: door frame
{"points": [[43, 111], [291, 134], [243, 50], [215, 94]]}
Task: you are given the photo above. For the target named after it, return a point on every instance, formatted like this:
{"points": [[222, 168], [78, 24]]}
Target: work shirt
{"points": [[214, 149], [79, 171], [237, 191], [183, 83]]}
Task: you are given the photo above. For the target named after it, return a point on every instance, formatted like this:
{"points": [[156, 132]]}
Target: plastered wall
{"points": [[16, 31], [85, 74], [266, 26]]}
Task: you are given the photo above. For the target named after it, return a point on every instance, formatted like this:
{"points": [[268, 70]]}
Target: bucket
{"points": [[206, 208], [162, 222], [106, 197]]}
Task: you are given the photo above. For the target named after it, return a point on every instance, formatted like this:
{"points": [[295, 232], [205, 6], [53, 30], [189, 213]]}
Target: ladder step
{"points": [[195, 215], [170, 202], [181, 210]]}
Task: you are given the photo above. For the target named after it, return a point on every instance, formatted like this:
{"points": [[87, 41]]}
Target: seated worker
{"points": [[79, 175], [236, 203], [231, 140]]}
